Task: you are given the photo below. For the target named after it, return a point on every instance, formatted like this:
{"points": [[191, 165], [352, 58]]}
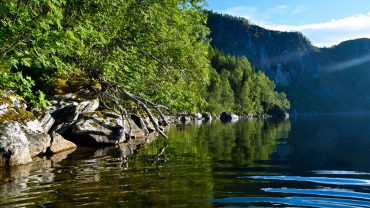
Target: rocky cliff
{"points": [[316, 80]]}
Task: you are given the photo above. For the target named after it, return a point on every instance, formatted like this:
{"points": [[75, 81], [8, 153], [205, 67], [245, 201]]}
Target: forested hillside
{"points": [[316, 80], [232, 78], [156, 50]]}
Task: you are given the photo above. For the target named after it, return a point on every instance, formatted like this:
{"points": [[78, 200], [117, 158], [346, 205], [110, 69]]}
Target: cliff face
{"points": [[335, 79]]}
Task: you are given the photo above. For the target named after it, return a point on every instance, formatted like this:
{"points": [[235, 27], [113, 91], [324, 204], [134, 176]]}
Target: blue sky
{"points": [[324, 22]]}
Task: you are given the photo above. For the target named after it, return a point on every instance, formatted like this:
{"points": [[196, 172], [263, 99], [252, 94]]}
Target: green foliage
{"points": [[23, 86], [157, 49], [235, 86]]}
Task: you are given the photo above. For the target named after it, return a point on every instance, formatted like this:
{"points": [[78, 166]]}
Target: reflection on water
{"points": [[309, 162]]}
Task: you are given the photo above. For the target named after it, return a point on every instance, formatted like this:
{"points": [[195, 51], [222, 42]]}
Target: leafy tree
{"points": [[157, 49]]}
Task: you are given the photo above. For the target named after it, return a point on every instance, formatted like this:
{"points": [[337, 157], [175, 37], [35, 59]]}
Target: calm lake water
{"points": [[305, 162]]}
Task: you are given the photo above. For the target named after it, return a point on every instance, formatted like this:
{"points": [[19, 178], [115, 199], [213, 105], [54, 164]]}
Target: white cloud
{"points": [[327, 33], [331, 32], [299, 9]]}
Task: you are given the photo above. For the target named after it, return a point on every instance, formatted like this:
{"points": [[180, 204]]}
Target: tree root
{"points": [[142, 102]]}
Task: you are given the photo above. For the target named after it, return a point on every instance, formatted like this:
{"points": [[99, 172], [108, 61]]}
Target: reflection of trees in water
{"points": [[243, 142], [186, 167], [164, 173]]}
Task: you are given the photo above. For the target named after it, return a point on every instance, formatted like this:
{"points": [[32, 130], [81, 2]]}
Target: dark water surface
{"points": [[306, 162]]}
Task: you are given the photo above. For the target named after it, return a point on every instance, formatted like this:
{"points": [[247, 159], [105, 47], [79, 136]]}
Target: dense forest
{"points": [[232, 78], [156, 50]]}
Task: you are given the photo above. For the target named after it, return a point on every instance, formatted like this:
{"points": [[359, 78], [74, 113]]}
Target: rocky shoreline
{"points": [[72, 121]]}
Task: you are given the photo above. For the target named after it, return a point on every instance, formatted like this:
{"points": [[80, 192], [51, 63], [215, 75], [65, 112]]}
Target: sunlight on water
{"points": [[322, 192]]}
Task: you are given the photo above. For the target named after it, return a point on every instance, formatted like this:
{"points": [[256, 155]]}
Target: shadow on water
{"points": [[308, 162]]}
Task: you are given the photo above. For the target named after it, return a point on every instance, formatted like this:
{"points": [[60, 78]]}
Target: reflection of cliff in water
{"points": [[328, 142]]}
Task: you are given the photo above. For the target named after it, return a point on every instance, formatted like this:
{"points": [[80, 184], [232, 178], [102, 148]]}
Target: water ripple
{"points": [[321, 192], [294, 201]]}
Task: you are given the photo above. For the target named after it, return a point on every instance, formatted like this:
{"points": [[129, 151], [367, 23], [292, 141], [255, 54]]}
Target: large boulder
{"points": [[14, 145], [21, 134], [97, 128], [19, 142], [66, 112], [228, 117]]}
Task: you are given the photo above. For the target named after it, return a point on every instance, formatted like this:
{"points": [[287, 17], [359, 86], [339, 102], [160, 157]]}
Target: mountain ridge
{"points": [[316, 80]]}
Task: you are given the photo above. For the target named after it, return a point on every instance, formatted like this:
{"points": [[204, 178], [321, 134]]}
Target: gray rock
{"points": [[207, 116], [185, 119], [64, 118], [10, 100], [47, 122], [94, 129], [66, 113], [14, 145], [69, 96], [133, 131], [4, 108], [198, 116], [88, 106], [149, 124], [140, 123], [15, 100], [38, 140], [228, 117], [59, 144]]}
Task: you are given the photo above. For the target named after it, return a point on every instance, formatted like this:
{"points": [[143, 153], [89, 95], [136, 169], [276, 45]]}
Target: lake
{"points": [[321, 161]]}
